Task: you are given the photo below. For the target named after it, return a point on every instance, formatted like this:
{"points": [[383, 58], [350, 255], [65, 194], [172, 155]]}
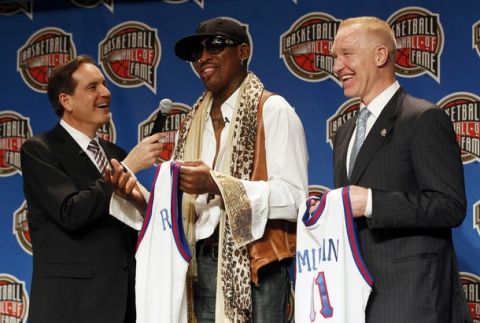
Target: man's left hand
{"points": [[195, 178], [124, 183], [358, 200]]}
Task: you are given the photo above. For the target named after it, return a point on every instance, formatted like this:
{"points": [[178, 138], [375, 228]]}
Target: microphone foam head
{"points": [[165, 105]]}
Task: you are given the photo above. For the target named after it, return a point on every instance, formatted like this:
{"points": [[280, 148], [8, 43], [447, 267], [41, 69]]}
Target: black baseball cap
{"points": [[227, 28]]}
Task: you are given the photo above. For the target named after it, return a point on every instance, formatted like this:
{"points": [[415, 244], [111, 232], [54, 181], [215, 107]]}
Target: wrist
{"points": [[214, 189], [129, 165]]}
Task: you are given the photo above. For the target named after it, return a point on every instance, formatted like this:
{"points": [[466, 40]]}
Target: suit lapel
{"points": [[342, 149], [72, 151], [377, 135], [106, 148]]}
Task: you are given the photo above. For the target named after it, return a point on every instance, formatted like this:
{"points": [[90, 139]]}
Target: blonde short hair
{"points": [[376, 27]]}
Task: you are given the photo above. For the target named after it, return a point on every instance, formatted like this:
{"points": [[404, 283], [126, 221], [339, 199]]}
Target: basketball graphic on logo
{"points": [[21, 229], [37, 70], [40, 73], [344, 113], [463, 109], [402, 57], [15, 129], [174, 119], [419, 37], [130, 53], [306, 47], [118, 64], [303, 58], [120, 68], [167, 151], [35, 65], [303, 55]]}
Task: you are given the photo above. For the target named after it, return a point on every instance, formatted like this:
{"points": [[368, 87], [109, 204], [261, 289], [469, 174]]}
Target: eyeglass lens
{"points": [[214, 45]]}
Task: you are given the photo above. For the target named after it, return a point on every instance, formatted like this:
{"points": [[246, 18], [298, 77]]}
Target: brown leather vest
{"points": [[278, 241]]}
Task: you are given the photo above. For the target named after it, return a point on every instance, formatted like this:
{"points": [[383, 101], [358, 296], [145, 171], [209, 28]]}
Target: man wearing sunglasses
{"points": [[244, 174]]}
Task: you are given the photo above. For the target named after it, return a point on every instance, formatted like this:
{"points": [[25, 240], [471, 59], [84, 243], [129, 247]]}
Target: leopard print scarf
{"points": [[235, 267], [235, 262]]}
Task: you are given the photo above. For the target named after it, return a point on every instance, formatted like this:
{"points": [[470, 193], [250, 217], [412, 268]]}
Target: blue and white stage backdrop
{"points": [[438, 59]]}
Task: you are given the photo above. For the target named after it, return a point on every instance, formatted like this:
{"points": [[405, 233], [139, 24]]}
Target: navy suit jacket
{"points": [[411, 161], [83, 258]]}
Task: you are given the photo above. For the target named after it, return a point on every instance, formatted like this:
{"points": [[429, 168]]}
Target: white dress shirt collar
{"points": [[82, 139], [381, 100], [227, 107]]}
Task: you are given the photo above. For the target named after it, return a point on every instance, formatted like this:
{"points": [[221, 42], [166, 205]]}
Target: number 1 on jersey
{"points": [[327, 309]]}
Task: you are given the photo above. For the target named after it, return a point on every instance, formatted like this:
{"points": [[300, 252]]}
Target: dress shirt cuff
{"points": [[241, 214], [368, 207], [127, 169], [124, 211]]}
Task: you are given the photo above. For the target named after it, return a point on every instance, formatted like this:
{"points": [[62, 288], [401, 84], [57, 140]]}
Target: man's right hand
{"points": [[144, 154]]}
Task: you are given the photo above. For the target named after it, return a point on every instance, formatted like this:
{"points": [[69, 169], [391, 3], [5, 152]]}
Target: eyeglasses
{"points": [[213, 45]]}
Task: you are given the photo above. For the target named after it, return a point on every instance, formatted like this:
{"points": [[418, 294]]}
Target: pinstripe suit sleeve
{"points": [[438, 174], [51, 184]]}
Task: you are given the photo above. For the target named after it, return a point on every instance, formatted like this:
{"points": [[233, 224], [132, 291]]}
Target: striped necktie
{"points": [[98, 155], [361, 123]]}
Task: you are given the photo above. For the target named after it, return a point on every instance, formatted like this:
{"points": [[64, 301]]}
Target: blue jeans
{"points": [[269, 299]]}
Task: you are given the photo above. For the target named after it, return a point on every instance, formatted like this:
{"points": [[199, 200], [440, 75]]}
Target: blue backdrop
{"points": [[439, 60]]}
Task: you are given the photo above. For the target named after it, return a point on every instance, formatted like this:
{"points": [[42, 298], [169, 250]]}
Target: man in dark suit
{"points": [[83, 258], [407, 185]]}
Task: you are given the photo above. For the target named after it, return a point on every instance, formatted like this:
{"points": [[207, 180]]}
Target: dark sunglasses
{"points": [[213, 45]]}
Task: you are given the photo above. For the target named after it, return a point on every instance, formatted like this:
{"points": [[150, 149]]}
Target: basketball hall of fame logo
{"points": [[14, 130], [20, 228], [306, 47], [346, 111], [107, 131], [199, 2], [130, 54], [13, 7], [471, 287], [476, 36], [94, 3], [476, 217], [13, 299], [175, 117], [44, 50], [463, 108], [419, 36]]}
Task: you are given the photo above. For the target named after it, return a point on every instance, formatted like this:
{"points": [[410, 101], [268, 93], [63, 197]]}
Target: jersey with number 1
{"points": [[162, 253], [332, 283]]}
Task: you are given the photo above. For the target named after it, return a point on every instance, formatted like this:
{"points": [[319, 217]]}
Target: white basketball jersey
{"points": [[332, 283], [162, 254]]}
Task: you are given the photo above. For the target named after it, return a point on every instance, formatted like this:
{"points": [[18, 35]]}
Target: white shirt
{"points": [[277, 198], [376, 107], [286, 155], [82, 140]]}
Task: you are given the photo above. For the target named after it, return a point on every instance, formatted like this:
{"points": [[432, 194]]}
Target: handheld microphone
{"points": [[165, 107]]}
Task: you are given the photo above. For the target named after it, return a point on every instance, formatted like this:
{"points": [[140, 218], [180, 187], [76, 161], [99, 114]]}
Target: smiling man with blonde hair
{"points": [[402, 161]]}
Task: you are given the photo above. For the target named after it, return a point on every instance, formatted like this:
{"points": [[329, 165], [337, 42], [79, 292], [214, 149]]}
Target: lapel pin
{"points": [[383, 133]]}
